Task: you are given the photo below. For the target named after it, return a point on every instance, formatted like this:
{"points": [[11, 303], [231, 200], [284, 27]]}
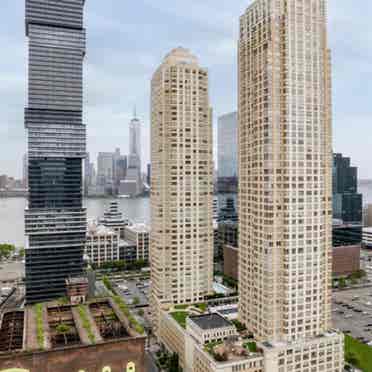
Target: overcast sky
{"points": [[128, 39]]}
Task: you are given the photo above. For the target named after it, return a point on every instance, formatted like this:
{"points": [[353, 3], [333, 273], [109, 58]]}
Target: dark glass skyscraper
{"points": [[55, 218], [347, 202]]}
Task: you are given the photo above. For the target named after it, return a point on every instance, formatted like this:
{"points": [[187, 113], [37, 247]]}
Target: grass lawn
{"points": [[180, 317], [202, 307], [251, 346], [358, 354], [181, 307]]}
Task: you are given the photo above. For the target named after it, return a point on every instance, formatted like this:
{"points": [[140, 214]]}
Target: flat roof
{"points": [[210, 321], [139, 228]]}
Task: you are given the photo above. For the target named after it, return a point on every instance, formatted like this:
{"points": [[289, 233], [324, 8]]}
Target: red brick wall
{"points": [[346, 260], [230, 261], [87, 358]]}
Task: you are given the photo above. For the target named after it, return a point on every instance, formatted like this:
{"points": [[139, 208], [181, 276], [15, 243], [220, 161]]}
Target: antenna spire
{"points": [[135, 112]]}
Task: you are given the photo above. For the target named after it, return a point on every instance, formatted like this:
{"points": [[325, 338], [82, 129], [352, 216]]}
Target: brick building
{"points": [[346, 260], [94, 337], [230, 261]]}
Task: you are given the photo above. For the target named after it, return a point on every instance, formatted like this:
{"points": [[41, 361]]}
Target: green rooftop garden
{"points": [[251, 346], [38, 308], [201, 306], [180, 317], [86, 323], [125, 310], [358, 354]]}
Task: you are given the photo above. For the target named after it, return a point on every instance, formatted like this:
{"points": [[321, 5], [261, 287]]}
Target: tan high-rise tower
{"points": [[285, 151], [181, 246]]}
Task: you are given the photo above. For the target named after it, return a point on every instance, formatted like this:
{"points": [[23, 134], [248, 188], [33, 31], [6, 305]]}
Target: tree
{"points": [[6, 250], [341, 283], [136, 301], [173, 363], [351, 358], [21, 252]]}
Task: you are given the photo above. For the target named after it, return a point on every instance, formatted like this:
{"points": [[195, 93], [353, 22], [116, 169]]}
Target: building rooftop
{"points": [[180, 55], [99, 230], [210, 321], [77, 280], [139, 228], [60, 324]]}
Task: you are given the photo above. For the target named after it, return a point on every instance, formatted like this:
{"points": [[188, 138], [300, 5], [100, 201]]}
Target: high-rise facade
{"points": [[285, 178], [181, 244], [55, 217], [347, 202]]}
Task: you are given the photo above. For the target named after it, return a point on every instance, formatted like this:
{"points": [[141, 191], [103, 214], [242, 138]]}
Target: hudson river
{"points": [[12, 212], [137, 210]]}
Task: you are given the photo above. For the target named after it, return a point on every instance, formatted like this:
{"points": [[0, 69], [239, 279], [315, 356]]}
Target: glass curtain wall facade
{"points": [[55, 218]]}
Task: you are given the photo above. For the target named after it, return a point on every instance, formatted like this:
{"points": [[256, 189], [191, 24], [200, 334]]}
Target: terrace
{"points": [[62, 327], [57, 325], [11, 331], [233, 349], [109, 325]]}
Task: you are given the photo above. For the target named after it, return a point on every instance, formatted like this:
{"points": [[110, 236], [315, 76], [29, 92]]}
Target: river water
{"points": [[12, 214], [137, 210]]}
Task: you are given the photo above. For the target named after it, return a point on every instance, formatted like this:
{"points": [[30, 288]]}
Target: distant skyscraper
{"points": [[25, 171], [228, 145], [55, 218], [285, 177], [135, 143], [105, 169], [347, 203], [182, 183]]}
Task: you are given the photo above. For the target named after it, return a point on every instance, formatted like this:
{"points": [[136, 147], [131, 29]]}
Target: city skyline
{"points": [[119, 74]]}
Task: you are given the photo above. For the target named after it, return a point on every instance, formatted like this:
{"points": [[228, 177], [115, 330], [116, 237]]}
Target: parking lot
{"points": [[352, 313], [134, 291]]}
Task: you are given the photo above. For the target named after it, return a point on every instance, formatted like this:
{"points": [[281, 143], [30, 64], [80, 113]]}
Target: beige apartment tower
{"points": [[181, 242]]}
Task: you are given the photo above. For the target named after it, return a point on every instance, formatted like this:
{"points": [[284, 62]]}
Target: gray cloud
{"points": [[126, 42]]}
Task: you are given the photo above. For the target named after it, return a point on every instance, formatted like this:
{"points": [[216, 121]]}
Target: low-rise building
{"points": [[230, 261], [102, 244], [139, 235], [345, 260], [207, 343], [367, 237], [210, 327], [114, 219], [93, 337]]}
